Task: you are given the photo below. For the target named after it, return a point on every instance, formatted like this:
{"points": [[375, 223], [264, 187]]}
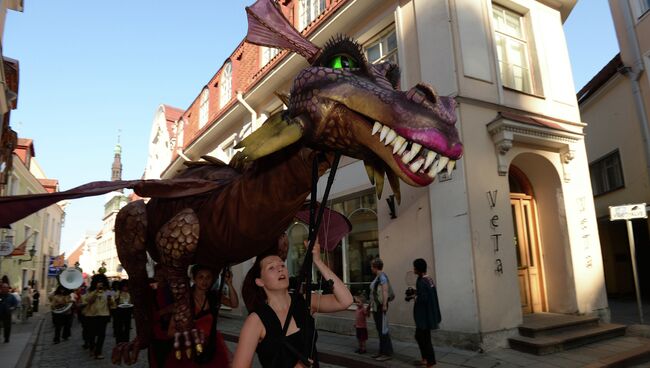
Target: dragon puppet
{"points": [[217, 214]]}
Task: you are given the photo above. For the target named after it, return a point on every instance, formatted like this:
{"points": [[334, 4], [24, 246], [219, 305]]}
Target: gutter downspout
{"points": [[634, 74], [240, 98], [182, 155]]}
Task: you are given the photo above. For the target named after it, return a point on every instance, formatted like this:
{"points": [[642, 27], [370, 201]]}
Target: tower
{"points": [[116, 169]]}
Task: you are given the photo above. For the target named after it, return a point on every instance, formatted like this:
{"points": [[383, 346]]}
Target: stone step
{"points": [[547, 324], [566, 339], [627, 358]]}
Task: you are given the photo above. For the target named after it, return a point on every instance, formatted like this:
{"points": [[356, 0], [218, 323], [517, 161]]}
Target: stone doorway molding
{"points": [[510, 128]]}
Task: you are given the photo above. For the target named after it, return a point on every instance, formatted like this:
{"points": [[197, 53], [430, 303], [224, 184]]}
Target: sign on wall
{"points": [[627, 212], [6, 247]]}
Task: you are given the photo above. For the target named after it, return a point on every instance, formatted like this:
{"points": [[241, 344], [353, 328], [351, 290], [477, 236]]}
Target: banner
{"points": [[55, 266]]}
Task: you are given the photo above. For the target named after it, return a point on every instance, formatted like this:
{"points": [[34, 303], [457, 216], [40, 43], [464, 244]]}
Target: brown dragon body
{"points": [[227, 214]]}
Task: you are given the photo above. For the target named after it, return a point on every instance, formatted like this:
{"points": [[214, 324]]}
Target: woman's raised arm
{"points": [[340, 300]]}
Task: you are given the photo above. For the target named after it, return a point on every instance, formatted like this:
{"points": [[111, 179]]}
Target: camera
{"points": [[409, 294]]}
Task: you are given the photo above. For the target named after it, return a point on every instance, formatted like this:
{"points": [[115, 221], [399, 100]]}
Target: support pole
{"points": [[630, 236]]}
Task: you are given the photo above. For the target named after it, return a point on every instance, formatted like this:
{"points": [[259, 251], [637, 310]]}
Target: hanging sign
{"points": [[6, 247], [627, 212]]}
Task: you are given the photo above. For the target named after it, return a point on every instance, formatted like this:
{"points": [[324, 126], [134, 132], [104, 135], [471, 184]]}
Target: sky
{"points": [[91, 69]]}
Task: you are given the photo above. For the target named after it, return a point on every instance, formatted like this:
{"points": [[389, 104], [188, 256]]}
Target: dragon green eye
{"points": [[342, 62]]}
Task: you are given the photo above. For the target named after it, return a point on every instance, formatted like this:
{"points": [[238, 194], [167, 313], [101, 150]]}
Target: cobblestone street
{"points": [[71, 354]]}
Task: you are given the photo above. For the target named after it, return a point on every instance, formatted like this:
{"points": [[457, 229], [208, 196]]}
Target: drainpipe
{"points": [[248, 107], [182, 155], [634, 74]]}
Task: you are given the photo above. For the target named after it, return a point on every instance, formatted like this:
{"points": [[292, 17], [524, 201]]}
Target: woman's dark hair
{"points": [[198, 267], [97, 278], [253, 295], [60, 290], [420, 265], [377, 263]]}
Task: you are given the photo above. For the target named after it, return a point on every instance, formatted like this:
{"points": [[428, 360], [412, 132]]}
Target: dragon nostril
{"points": [[428, 91]]}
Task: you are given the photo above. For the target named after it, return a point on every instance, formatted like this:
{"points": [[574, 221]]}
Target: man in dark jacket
{"points": [[7, 304], [426, 312]]}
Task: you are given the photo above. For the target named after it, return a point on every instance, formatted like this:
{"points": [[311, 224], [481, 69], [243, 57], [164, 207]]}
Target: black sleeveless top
{"points": [[276, 351]]}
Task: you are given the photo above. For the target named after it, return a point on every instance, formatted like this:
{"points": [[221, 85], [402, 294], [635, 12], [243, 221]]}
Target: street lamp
{"points": [[32, 253]]}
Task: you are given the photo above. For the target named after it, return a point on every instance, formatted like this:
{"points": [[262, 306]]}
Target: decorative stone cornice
{"points": [[506, 131]]}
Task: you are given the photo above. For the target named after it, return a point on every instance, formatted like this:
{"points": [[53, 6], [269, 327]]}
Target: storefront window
{"points": [[351, 259]]}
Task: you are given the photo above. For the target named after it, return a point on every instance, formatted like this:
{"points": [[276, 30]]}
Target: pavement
{"points": [[31, 346]]}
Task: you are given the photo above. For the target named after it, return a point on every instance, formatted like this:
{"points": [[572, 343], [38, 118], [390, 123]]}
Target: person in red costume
{"points": [[205, 307]]}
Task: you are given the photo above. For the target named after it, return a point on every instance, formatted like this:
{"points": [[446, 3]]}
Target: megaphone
{"points": [[71, 278]]}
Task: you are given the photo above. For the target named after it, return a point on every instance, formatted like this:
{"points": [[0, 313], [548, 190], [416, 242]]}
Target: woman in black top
{"points": [[280, 328]]}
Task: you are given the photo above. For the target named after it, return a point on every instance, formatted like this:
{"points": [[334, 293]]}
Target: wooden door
{"points": [[528, 254]]}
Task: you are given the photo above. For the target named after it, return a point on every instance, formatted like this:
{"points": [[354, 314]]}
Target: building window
{"points": [[512, 49], [309, 11], [383, 48], [204, 107], [229, 149], [351, 260], [642, 7], [225, 84], [268, 53], [606, 174]]}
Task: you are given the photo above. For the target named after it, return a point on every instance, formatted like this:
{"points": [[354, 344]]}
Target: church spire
{"points": [[116, 169]]}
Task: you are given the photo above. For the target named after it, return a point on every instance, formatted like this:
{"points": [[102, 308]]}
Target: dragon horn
{"points": [[268, 27]]}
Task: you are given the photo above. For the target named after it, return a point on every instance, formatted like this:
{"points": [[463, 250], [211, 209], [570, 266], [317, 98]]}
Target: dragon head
{"points": [[343, 103]]}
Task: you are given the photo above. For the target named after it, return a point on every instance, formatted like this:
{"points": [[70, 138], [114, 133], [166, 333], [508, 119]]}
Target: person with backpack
{"points": [[381, 293]]}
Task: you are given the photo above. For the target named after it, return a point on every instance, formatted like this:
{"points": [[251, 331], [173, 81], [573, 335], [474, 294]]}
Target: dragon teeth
{"points": [[450, 166], [416, 165], [384, 133], [403, 148], [397, 143], [442, 163], [431, 156], [390, 137], [405, 157], [410, 155], [376, 127], [416, 148]]}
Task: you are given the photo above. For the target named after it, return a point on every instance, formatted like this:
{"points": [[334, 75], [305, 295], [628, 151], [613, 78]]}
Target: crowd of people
{"points": [[279, 329]]}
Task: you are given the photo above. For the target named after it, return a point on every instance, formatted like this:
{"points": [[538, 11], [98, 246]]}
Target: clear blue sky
{"points": [[89, 68]]}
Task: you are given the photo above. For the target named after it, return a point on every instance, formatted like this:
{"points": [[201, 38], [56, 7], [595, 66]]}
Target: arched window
{"points": [[351, 260], [204, 107], [225, 84]]}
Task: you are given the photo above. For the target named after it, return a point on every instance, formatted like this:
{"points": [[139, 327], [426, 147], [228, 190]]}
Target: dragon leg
{"points": [[177, 241], [130, 239]]}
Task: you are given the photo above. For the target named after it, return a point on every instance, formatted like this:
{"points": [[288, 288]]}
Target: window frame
{"points": [[379, 38], [508, 79], [305, 20], [225, 84], [267, 54], [204, 107], [604, 179]]}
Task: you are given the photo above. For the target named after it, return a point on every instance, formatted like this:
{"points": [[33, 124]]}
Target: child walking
{"points": [[360, 323]]}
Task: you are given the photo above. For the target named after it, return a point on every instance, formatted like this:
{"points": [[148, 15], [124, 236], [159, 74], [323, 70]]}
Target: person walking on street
{"points": [[426, 312], [7, 305], [97, 311], [26, 301], [380, 295], [35, 300], [61, 303]]}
